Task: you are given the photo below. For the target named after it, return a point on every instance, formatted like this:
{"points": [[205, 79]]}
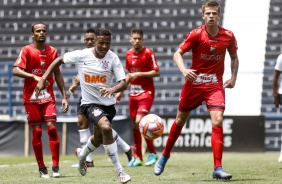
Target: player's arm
{"points": [[74, 86], [234, 70], [149, 74], [275, 87], [189, 74], [53, 66], [121, 86], [60, 83]]}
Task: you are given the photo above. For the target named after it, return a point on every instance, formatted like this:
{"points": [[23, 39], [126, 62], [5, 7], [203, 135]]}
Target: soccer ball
{"points": [[151, 126]]}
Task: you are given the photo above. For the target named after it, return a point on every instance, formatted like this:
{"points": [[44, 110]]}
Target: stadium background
{"points": [[165, 22]]}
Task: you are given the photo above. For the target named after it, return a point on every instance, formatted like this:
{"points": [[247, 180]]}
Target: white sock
{"points": [[88, 148], [120, 142], [112, 151], [84, 135]]}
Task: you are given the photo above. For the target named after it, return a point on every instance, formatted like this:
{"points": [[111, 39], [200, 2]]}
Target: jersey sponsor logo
{"points": [[105, 65], [134, 56], [95, 78], [211, 57], [38, 71]]}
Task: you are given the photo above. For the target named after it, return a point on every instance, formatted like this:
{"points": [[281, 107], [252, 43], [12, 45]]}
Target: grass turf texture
{"points": [[256, 168]]}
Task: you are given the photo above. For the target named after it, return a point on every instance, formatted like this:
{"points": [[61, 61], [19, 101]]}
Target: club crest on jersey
{"points": [[42, 63], [212, 49], [105, 65], [96, 112]]}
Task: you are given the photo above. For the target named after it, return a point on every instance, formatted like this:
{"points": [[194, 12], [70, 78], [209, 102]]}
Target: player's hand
{"points": [[73, 88], [190, 74], [229, 83], [106, 92], [276, 101], [40, 86], [132, 76], [35, 77], [118, 97], [65, 105]]}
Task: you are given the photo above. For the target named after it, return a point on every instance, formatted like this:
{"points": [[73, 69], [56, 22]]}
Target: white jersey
{"points": [[94, 73], [278, 66]]}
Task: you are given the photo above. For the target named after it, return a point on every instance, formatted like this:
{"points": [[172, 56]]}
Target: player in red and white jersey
{"points": [[142, 66], [204, 82], [97, 66], [31, 64]]}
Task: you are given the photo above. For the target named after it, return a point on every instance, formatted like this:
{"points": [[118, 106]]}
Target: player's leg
{"points": [[111, 148], [137, 138], [124, 146], [215, 96], [48, 111], [175, 130], [84, 134], [144, 106], [34, 121]]}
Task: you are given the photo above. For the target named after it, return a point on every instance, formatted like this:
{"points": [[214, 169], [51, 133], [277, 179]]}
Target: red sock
{"points": [[151, 146], [54, 141], [37, 146], [217, 145], [138, 143], [173, 135]]}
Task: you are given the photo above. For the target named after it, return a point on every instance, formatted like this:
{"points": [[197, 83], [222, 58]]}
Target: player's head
{"points": [[211, 12], [102, 42], [38, 32], [136, 39], [89, 38]]}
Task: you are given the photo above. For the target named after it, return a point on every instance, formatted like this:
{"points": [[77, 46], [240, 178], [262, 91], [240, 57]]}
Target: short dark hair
{"points": [[90, 30], [103, 32], [210, 3], [136, 30], [32, 27]]}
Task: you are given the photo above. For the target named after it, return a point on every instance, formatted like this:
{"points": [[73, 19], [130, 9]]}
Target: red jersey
{"points": [[36, 62], [143, 61], [208, 53]]}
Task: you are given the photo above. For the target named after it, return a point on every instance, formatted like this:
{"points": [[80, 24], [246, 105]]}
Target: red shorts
{"points": [[192, 96], [39, 113], [138, 105]]}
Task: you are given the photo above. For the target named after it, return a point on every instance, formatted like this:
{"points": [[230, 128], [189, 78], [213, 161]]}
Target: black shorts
{"points": [[79, 111], [94, 112]]}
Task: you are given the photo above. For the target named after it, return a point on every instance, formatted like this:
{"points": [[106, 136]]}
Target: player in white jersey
{"points": [[277, 91], [96, 68]]}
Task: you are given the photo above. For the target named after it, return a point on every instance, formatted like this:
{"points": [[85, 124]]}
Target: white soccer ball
{"points": [[151, 126]]}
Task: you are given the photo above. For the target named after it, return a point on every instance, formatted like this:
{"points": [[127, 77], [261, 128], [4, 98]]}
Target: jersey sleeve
{"points": [[72, 57], [189, 41], [21, 60], [153, 62], [118, 69], [278, 65], [232, 49]]}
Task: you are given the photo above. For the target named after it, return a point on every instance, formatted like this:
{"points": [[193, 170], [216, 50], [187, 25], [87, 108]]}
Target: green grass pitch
{"points": [[196, 168]]}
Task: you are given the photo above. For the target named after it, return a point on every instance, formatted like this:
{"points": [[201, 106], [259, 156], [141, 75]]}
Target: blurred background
{"points": [[254, 122]]}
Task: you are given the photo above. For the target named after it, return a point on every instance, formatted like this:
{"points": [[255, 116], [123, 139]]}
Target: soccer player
{"points": [[31, 64], [208, 43], [83, 123], [96, 68], [142, 66], [277, 90]]}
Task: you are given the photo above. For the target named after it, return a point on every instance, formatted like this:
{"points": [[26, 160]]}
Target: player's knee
{"points": [[218, 121], [52, 132], [37, 133]]}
